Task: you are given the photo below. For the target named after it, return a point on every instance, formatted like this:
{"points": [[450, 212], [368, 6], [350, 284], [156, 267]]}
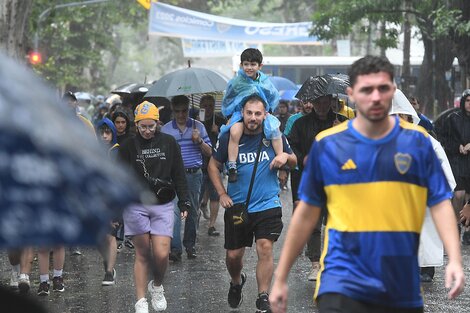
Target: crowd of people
{"points": [[360, 180]]}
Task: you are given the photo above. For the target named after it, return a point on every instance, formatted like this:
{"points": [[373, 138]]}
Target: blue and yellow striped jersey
{"points": [[376, 192]]}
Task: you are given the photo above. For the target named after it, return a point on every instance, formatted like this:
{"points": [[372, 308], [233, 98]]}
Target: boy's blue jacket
{"points": [[241, 87]]}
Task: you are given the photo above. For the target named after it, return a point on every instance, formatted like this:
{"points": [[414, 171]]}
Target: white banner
{"points": [[171, 21]]}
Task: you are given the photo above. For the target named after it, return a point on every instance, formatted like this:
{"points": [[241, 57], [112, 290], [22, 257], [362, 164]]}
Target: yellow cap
{"points": [[146, 110]]}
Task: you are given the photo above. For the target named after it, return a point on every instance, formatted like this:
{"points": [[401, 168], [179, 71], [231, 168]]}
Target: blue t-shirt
{"points": [[265, 192], [376, 192]]}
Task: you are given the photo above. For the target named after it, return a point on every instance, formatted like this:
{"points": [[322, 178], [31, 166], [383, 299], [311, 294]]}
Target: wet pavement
{"points": [[199, 285]]}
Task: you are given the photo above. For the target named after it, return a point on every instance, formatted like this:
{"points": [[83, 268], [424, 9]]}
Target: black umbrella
{"points": [[191, 80], [58, 185], [318, 86], [131, 89]]}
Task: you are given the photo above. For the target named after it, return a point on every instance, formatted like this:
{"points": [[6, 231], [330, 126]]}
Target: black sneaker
{"points": [[175, 256], [43, 289], [232, 175], [191, 253], [128, 243], [235, 294], [262, 303], [58, 284], [109, 278], [425, 278], [466, 238], [213, 232]]}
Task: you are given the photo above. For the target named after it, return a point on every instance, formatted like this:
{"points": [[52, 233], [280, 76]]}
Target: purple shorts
{"points": [[157, 220]]}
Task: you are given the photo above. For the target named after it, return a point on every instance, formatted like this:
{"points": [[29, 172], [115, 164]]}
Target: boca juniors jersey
{"points": [[265, 192], [376, 192]]}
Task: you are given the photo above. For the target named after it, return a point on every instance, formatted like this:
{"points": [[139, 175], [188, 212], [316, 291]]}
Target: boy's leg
{"points": [[236, 132], [277, 145]]}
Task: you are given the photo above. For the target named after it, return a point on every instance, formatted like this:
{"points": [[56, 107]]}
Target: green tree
{"points": [[76, 41], [436, 19]]}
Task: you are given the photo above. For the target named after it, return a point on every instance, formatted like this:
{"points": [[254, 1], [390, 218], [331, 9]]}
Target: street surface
{"points": [[199, 285]]}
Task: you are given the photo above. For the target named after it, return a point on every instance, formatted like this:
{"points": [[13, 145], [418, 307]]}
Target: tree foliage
{"points": [[76, 42], [440, 22]]}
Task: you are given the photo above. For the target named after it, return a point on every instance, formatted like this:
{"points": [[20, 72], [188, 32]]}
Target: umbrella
{"points": [[191, 80], [319, 86], [131, 89], [83, 96], [58, 185], [282, 83], [288, 94]]}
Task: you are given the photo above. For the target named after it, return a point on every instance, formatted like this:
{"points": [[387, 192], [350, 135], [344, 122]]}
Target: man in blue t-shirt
{"points": [[264, 207], [375, 175]]}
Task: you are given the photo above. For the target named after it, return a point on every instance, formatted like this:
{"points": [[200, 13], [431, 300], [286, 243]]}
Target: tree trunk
{"points": [[424, 93], [406, 71], [13, 17]]}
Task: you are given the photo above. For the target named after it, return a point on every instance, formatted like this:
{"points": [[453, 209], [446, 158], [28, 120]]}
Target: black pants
{"points": [[337, 303]]}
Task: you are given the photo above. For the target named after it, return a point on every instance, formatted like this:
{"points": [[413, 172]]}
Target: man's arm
{"points": [[301, 226], [444, 218], [213, 169]]}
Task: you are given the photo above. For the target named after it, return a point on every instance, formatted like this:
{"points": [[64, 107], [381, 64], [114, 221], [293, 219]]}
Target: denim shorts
{"points": [[155, 219]]}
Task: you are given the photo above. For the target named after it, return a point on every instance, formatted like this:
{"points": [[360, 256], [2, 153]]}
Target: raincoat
{"points": [[239, 89], [431, 251]]}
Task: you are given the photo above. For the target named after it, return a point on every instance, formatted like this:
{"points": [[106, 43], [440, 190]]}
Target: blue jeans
{"points": [[194, 181]]}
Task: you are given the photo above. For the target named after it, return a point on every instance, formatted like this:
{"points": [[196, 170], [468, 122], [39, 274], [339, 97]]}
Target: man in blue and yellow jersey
{"points": [[375, 174]]}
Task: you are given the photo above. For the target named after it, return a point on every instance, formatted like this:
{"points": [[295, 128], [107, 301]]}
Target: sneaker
{"points": [[119, 247], [157, 294], [466, 238], [232, 175], [14, 279], [175, 256], [142, 306], [312, 276], [262, 303], [425, 278], [128, 243], [235, 294], [58, 284], [43, 289], [109, 278], [213, 232], [23, 283], [191, 253], [76, 251]]}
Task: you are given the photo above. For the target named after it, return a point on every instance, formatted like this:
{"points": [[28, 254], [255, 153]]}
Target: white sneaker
{"points": [[158, 297], [14, 279], [312, 276], [142, 306]]}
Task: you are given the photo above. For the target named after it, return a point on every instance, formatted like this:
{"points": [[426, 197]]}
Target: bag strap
{"points": [[140, 158], [248, 196]]}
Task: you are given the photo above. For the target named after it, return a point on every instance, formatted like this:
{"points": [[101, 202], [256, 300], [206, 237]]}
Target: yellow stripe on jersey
{"points": [[376, 206], [322, 261], [333, 130], [406, 125]]}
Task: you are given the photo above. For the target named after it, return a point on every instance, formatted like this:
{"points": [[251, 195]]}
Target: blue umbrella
{"points": [[58, 185], [288, 94], [282, 83]]}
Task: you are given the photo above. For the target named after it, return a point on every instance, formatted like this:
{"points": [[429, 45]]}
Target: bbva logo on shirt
{"points": [[250, 157]]}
